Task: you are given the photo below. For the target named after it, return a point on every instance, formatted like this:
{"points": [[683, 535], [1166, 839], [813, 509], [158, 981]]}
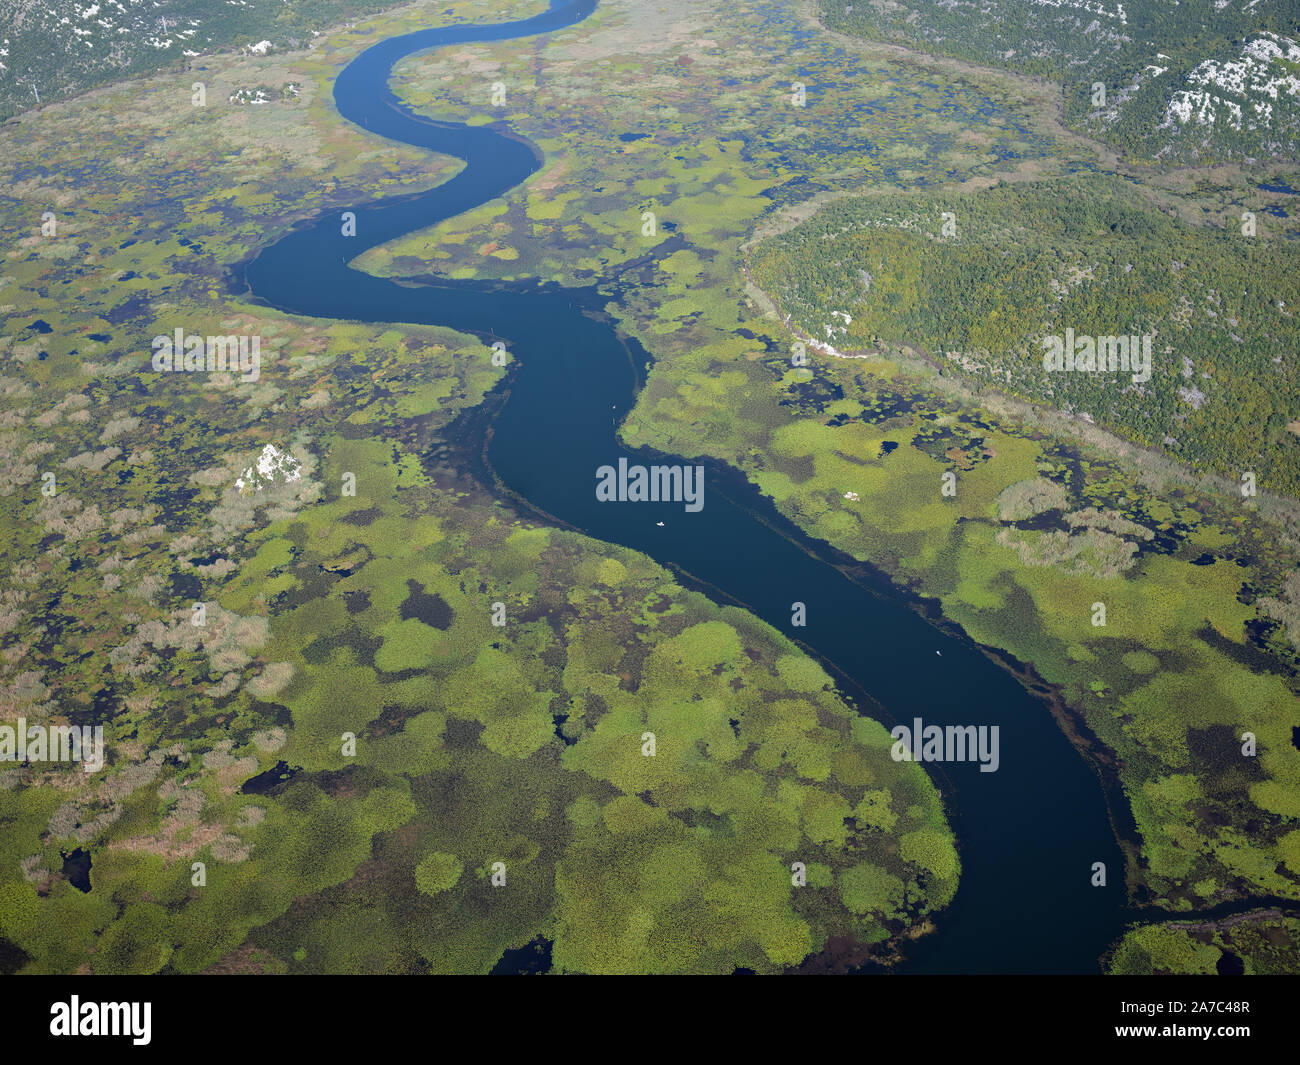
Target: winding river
{"points": [[1028, 833]]}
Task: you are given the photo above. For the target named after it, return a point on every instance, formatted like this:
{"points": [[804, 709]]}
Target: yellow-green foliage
{"points": [[1261, 943], [438, 872]]}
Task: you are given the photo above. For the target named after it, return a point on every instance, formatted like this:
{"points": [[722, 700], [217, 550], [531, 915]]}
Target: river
{"points": [[1028, 834]]}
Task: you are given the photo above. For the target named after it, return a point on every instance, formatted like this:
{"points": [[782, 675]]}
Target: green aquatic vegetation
{"points": [[1261, 943], [438, 872], [629, 111]]}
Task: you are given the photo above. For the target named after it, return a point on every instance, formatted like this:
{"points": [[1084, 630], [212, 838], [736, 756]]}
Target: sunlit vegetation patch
{"points": [[1260, 944], [1026, 498]]}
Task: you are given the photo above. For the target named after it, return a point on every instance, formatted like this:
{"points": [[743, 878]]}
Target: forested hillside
{"points": [[1085, 255], [1185, 80]]}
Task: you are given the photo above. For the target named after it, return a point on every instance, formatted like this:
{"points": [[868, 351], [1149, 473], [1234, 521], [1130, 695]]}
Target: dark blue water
{"points": [[1028, 833]]}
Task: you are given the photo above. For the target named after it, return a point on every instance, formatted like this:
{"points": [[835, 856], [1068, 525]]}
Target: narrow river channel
{"points": [[1028, 833]]}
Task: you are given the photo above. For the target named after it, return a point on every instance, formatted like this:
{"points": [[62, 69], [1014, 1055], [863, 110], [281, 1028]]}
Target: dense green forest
{"points": [[1192, 81], [1082, 254]]}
